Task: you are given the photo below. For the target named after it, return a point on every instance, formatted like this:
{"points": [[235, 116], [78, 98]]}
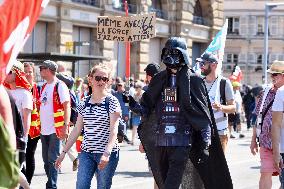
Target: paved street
{"points": [[132, 171]]}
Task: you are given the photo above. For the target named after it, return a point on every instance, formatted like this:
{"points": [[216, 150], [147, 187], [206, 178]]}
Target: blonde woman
{"points": [[98, 115]]}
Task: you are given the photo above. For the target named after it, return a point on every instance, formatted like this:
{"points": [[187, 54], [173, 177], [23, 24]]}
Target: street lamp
{"points": [[268, 8]]}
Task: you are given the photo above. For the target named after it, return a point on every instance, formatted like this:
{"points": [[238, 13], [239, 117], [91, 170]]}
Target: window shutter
{"points": [[225, 58], [251, 58], [243, 25], [252, 25], [242, 58], [281, 57], [273, 25], [273, 57]]}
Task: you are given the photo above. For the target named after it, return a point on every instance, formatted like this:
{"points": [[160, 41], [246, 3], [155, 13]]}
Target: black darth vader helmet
{"points": [[174, 54]]}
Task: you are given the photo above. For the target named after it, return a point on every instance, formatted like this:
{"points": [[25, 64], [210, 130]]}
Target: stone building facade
{"points": [[245, 38], [66, 21]]}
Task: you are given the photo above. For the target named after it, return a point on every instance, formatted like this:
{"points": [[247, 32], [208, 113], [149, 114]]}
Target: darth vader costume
{"points": [[178, 126]]}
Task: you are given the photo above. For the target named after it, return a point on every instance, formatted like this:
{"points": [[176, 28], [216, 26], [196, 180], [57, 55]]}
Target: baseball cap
{"points": [[49, 64], [210, 57], [152, 69]]}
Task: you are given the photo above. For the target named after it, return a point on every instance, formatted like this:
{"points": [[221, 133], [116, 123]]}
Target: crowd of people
{"points": [[178, 114]]}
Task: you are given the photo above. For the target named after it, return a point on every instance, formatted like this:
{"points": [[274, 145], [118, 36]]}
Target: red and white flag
{"points": [[17, 20], [237, 74]]}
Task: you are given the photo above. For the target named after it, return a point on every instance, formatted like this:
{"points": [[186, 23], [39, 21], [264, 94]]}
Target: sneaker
{"points": [[241, 135], [75, 164]]}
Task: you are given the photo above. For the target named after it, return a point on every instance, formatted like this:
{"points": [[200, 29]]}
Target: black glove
{"points": [[204, 152], [128, 99], [125, 97]]}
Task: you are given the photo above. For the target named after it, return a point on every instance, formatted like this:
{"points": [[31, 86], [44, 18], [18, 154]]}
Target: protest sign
{"points": [[133, 28]]}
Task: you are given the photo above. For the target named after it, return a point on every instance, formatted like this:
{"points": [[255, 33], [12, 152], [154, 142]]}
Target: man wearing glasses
{"points": [[54, 117], [264, 128], [277, 72], [221, 107]]}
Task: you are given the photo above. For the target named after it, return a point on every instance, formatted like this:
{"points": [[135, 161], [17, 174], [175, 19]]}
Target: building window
{"points": [[37, 42], [260, 25], [88, 2], [233, 25], [232, 58], [259, 58], [119, 5], [157, 8]]}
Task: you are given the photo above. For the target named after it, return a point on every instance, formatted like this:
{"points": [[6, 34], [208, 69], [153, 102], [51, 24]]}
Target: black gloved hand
{"points": [[128, 99], [125, 97], [204, 152]]}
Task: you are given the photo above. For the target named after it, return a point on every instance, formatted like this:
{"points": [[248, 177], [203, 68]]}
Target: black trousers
{"points": [[172, 162], [30, 159]]}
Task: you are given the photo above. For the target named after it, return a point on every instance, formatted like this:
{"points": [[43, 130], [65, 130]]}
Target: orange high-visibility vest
{"points": [[35, 120], [58, 110]]}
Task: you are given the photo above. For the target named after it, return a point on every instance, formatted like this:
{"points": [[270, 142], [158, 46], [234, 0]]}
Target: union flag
{"points": [[17, 20]]}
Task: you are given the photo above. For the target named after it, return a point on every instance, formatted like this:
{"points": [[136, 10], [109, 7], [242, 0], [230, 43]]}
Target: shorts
{"points": [[234, 119], [266, 161], [136, 120]]}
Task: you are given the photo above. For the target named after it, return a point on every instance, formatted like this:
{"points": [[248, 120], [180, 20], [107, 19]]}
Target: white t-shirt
{"points": [[239, 101], [46, 106], [23, 99], [278, 106]]}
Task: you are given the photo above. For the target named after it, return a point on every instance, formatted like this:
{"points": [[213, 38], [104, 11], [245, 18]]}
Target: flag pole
{"points": [[127, 53]]}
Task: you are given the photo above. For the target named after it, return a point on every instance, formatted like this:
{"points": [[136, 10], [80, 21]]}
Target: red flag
{"points": [[127, 48], [17, 20]]}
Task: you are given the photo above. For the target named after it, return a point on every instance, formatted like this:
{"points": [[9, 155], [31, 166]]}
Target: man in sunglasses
{"points": [[262, 130], [177, 125], [277, 72], [220, 93], [54, 117]]}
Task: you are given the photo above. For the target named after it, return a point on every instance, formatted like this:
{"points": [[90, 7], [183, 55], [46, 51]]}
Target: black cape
{"points": [[194, 102]]}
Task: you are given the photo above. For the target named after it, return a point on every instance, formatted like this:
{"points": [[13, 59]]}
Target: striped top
{"points": [[96, 125]]}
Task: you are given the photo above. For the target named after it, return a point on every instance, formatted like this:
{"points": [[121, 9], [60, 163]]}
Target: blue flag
{"points": [[216, 47]]}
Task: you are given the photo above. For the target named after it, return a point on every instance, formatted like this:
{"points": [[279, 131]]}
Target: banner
{"points": [[126, 28], [217, 47], [17, 20]]}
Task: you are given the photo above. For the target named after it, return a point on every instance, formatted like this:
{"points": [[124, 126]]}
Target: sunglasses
{"points": [[275, 74], [42, 68], [99, 78]]}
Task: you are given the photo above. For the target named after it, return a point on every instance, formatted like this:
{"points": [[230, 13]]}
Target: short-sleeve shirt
{"points": [[97, 124], [46, 105], [278, 106], [23, 99], [229, 92], [265, 135]]}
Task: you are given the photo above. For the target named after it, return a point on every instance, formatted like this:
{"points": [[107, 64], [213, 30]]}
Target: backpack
{"points": [[121, 126], [223, 93], [9, 166], [73, 105]]}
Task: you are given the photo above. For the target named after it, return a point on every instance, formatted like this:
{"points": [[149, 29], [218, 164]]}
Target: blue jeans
{"points": [[50, 152], [88, 165]]}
